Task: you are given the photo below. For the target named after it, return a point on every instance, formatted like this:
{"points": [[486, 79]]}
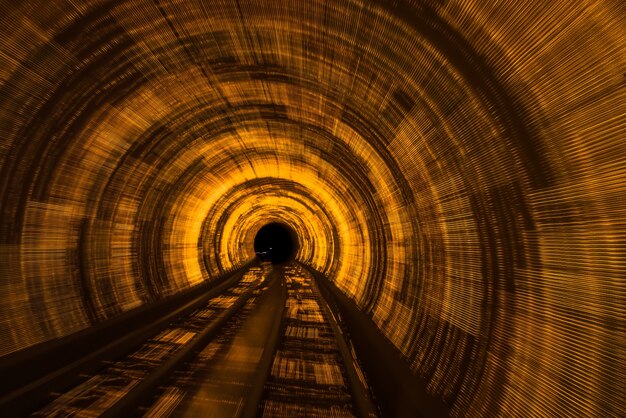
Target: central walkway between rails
{"points": [[226, 371]]}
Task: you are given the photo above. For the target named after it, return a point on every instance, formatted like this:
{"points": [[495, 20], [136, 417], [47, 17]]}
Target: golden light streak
{"points": [[458, 168]]}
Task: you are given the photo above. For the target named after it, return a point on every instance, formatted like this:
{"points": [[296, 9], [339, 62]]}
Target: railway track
{"points": [[313, 373], [268, 346]]}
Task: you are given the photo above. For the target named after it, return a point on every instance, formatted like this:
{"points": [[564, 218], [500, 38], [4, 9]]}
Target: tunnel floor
{"points": [[277, 352], [224, 373]]}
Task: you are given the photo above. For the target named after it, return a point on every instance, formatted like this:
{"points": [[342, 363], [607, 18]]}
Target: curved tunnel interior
{"points": [[275, 242], [456, 169]]}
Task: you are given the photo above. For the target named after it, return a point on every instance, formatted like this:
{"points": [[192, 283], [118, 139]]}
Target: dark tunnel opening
{"points": [[275, 242]]}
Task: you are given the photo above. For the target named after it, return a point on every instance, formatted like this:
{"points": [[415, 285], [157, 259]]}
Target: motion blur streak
{"points": [[455, 167]]}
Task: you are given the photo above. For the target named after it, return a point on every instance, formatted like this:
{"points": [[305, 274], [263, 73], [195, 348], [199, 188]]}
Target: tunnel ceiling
{"points": [[457, 168]]}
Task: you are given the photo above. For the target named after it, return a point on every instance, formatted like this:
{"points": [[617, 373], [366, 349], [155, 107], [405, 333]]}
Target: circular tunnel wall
{"points": [[457, 168]]}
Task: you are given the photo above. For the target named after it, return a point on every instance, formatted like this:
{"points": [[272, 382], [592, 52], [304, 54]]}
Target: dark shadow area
{"points": [[275, 242]]}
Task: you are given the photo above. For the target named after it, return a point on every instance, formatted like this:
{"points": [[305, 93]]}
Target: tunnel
{"points": [[447, 178], [276, 243]]}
